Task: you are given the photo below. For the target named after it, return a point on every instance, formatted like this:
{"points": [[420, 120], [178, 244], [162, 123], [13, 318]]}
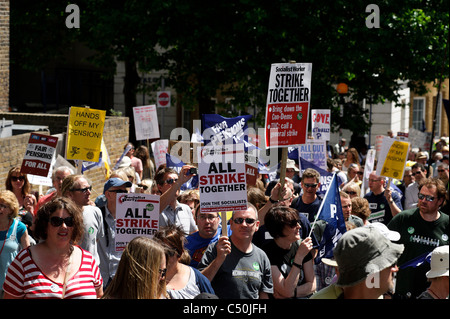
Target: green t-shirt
{"points": [[419, 237]]}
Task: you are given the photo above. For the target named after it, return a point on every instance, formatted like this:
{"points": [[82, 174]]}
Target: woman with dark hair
{"points": [[290, 257], [18, 183], [56, 267], [182, 280]]}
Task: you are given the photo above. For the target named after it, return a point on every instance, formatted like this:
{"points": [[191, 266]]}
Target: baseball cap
{"points": [[116, 182], [361, 252], [439, 262]]}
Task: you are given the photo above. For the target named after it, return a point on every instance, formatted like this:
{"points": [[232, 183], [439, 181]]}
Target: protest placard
{"points": [[392, 158], [314, 151], [39, 154], [222, 180], [84, 134], [136, 215], [160, 149], [287, 108], [219, 130], [146, 122], [320, 124]]}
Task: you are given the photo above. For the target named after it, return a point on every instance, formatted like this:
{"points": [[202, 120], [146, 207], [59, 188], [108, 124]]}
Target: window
{"points": [[419, 113]]}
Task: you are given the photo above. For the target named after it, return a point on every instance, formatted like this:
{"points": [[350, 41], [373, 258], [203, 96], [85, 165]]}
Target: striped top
{"points": [[24, 279]]}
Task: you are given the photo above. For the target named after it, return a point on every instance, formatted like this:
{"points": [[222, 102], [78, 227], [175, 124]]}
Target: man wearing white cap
{"points": [[438, 275]]}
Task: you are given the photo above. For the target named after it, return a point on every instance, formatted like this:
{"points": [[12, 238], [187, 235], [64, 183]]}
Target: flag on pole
{"points": [[416, 262], [330, 211]]}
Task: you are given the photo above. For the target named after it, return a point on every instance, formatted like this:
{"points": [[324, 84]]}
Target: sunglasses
{"points": [[248, 221], [19, 178], [417, 173], [350, 193], [310, 185], [83, 190], [293, 223], [428, 198], [170, 181], [162, 272], [57, 221]]}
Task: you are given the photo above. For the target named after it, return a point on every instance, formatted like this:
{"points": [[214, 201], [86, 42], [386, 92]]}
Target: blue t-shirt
{"points": [[308, 210], [379, 207], [10, 248], [197, 245]]}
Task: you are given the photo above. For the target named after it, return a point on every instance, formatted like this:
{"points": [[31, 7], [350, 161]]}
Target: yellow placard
{"points": [[84, 133], [394, 164]]}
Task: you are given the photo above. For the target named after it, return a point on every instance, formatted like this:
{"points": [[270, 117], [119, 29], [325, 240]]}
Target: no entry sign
{"points": [[163, 99]]}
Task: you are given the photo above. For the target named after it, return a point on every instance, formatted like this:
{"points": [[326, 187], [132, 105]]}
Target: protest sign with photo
{"points": [[320, 124], [85, 133], [222, 180], [146, 122], [39, 154], [136, 215], [287, 108]]}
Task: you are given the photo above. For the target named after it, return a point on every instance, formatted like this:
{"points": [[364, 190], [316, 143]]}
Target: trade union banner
{"points": [[84, 134], [287, 108]]}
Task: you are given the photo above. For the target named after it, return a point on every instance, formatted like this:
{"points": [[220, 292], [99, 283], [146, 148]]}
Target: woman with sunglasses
{"points": [[290, 257], [17, 183], [13, 233], [55, 268]]}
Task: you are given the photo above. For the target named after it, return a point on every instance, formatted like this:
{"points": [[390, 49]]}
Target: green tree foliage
{"points": [[228, 46]]}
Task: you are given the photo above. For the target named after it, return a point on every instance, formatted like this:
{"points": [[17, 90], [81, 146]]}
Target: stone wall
{"points": [[115, 136]]}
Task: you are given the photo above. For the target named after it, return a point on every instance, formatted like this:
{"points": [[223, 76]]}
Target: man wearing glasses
{"points": [[422, 229], [109, 257], [209, 231], [172, 211], [236, 268], [419, 172], [78, 189], [309, 203], [383, 202]]}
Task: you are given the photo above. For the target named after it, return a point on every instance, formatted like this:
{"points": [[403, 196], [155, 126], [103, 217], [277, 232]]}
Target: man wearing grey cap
{"points": [[109, 257], [366, 261]]}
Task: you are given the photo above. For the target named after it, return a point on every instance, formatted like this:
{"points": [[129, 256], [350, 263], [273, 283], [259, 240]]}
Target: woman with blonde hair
{"points": [[141, 271], [13, 233]]}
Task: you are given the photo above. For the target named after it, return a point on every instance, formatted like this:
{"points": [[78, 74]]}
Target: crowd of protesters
{"points": [[61, 244]]}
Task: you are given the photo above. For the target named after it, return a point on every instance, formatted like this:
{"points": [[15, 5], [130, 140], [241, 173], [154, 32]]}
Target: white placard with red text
{"points": [[136, 215], [320, 124], [222, 180]]}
